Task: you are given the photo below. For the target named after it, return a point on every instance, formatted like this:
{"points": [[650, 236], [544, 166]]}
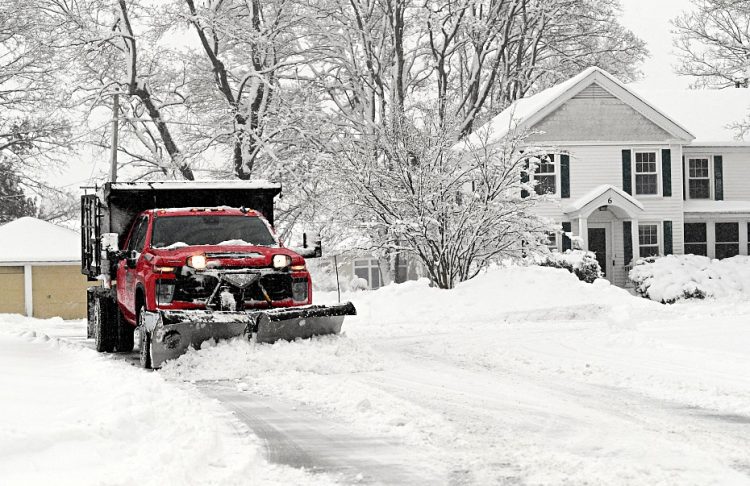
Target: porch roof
{"points": [[618, 201]]}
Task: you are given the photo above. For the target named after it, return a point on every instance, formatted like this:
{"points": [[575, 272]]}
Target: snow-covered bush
{"points": [[582, 263], [676, 277]]}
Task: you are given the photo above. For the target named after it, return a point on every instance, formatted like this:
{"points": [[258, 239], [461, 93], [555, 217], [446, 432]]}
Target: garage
{"points": [[40, 270]]}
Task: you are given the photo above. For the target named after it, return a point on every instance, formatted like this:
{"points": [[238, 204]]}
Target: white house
{"points": [[637, 174]]}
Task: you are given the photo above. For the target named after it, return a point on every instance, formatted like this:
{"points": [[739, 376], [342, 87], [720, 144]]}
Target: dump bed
{"points": [[111, 208]]}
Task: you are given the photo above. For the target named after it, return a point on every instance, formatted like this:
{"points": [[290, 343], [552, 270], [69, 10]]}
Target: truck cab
{"points": [[192, 258]]}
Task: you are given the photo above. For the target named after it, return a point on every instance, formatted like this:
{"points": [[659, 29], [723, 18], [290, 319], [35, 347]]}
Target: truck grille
{"points": [[198, 288]]}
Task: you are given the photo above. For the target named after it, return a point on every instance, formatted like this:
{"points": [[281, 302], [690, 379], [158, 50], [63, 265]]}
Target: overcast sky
{"points": [[649, 20]]}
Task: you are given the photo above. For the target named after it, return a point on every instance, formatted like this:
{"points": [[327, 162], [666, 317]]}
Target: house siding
{"points": [[595, 118], [736, 169]]}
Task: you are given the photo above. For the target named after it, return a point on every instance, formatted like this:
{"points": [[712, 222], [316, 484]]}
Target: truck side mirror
{"points": [[308, 251], [131, 259]]}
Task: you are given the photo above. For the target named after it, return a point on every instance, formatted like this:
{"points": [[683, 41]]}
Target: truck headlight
{"points": [[281, 261], [198, 262]]}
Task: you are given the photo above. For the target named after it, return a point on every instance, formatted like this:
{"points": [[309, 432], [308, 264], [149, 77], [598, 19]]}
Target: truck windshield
{"points": [[177, 231]]}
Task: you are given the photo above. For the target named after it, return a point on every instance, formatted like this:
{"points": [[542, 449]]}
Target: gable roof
{"points": [[605, 195], [31, 240], [524, 113]]}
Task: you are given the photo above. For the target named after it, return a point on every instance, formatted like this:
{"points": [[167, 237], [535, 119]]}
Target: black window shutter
{"points": [[627, 243], [566, 243], [525, 178], [627, 181], [565, 175], [666, 172], [718, 177], [684, 178], [668, 250]]}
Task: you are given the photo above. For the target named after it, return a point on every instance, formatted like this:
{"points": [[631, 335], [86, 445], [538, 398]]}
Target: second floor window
{"points": [[545, 175], [699, 180], [646, 180]]}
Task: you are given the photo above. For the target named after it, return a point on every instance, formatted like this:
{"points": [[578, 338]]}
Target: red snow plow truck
{"points": [[185, 262]]}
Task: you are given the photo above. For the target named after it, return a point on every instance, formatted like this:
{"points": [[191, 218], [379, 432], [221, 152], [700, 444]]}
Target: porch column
{"points": [[710, 238], [28, 291], [743, 236], [634, 237], [583, 231]]}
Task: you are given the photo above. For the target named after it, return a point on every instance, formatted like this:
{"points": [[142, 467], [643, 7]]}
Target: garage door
{"points": [[59, 290], [11, 290]]}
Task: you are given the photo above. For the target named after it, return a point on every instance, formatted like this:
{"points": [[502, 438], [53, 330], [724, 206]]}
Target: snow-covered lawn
{"points": [[70, 416], [521, 376]]}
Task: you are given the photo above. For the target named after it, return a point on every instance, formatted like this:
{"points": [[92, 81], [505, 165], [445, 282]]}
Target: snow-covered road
{"points": [[523, 376]]}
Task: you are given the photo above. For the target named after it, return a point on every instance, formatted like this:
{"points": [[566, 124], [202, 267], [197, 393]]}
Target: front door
{"points": [[598, 244]]}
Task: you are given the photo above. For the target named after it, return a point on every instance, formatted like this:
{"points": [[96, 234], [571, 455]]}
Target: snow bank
{"points": [[677, 277], [70, 416], [495, 297]]}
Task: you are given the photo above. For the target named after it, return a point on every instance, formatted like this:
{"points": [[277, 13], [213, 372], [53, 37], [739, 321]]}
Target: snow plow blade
{"points": [[173, 332]]}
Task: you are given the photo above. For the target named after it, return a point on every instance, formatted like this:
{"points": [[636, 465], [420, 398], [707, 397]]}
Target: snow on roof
{"points": [[706, 113], [29, 240], [598, 191], [202, 184], [708, 206], [522, 109]]}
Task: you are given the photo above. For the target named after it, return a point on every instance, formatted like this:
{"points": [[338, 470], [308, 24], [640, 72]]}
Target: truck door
{"points": [[127, 267]]}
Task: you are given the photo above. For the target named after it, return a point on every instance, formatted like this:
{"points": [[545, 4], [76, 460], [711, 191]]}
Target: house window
{"points": [[699, 181], [648, 239], [545, 176], [696, 241], [646, 180], [368, 269], [551, 241], [727, 240]]}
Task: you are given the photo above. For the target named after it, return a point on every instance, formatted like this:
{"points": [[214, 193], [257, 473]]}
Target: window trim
{"points": [[555, 173], [659, 235], [634, 173], [369, 266], [710, 159]]}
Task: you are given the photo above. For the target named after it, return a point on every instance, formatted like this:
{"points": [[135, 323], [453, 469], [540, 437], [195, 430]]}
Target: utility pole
{"points": [[115, 128]]}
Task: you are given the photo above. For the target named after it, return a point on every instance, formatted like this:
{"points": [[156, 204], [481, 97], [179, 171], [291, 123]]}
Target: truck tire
{"points": [[125, 334], [104, 328], [145, 339]]}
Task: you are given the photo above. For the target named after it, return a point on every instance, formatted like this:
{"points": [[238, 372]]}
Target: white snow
{"points": [[27, 240], [200, 184], [675, 277], [69, 416], [520, 376]]}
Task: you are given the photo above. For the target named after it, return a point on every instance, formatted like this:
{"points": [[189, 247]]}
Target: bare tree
{"points": [[713, 42], [456, 211]]}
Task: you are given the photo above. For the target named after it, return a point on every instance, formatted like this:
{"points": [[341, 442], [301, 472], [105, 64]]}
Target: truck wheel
{"points": [[145, 340], [104, 331], [125, 334]]}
